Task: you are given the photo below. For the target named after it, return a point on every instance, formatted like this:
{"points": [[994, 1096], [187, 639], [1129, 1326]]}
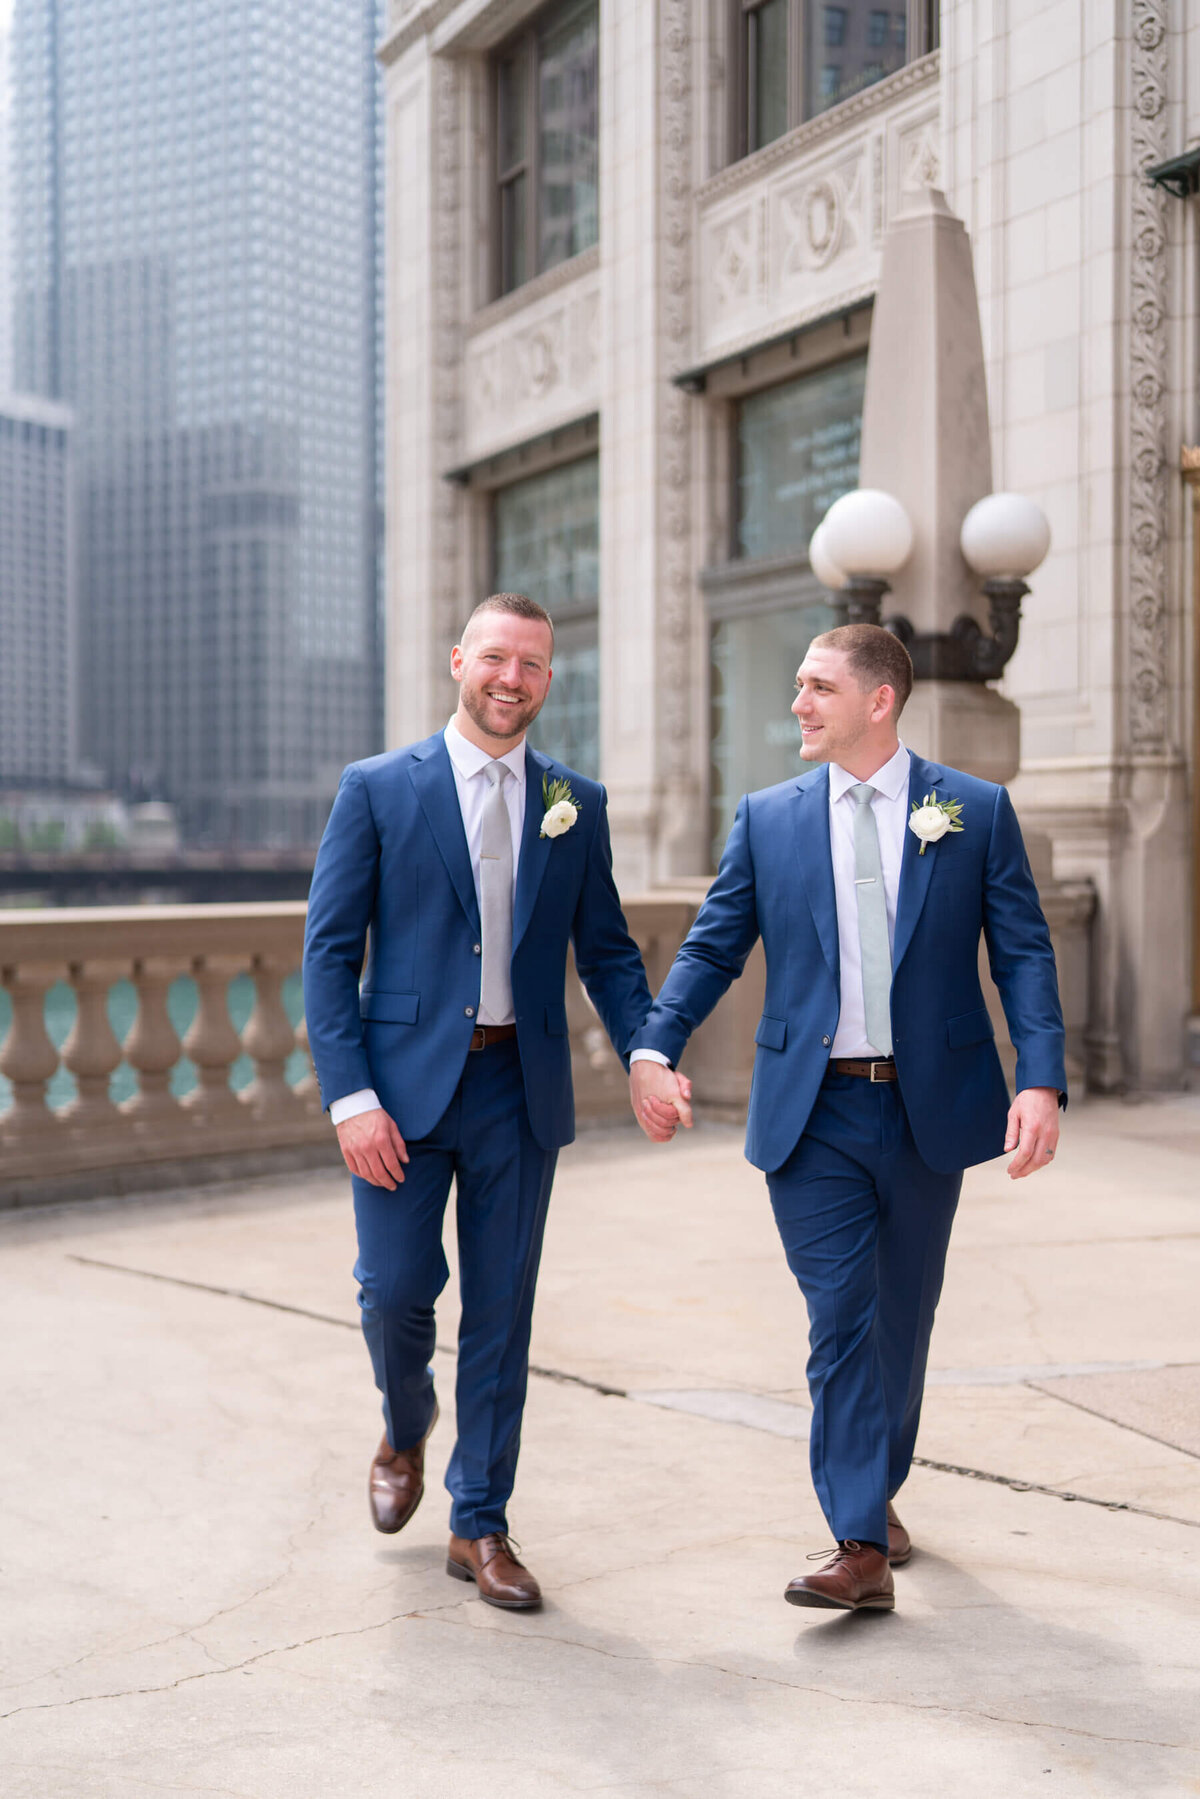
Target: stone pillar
{"points": [[423, 230], [926, 439], [651, 761]]}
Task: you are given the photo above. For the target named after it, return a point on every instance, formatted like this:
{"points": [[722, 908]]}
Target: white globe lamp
{"points": [[823, 566], [869, 536], [1005, 537]]}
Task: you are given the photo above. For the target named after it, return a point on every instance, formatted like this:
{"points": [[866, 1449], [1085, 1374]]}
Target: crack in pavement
{"points": [[563, 1377], [170, 1686]]}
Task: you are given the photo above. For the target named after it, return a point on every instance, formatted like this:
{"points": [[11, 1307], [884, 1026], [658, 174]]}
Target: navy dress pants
{"points": [[483, 1144], [865, 1225]]}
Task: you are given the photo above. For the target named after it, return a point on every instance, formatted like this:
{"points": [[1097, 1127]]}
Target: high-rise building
{"points": [[37, 599], [197, 222]]}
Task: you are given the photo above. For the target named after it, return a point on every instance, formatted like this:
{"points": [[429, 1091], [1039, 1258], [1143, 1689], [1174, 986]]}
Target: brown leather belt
{"points": [[485, 1034], [869, 1071]]}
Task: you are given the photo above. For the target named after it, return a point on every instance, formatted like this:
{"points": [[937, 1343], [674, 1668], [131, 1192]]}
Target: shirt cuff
{"points": [[351, 1104], [649, 1055]]}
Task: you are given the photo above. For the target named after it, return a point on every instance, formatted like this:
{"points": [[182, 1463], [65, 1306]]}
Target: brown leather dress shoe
{"points": [[899, 1541], [397, 1482], [855, 1579], [502, 1580]]}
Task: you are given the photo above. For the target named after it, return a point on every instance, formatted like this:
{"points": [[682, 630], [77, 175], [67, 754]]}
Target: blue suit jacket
{"points": [[394, 862], [776, 881]]}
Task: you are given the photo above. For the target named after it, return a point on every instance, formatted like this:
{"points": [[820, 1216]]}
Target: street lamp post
{"points": [[866, 536]]}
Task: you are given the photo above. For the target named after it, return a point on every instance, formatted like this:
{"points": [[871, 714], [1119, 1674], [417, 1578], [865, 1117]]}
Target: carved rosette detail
{"points": [[675, 593], [1148, 712]]}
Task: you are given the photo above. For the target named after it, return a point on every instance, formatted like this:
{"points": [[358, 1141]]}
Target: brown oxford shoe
{"points": [[855, 1579], [502, 1580], [397, 1482], [899, 1541]]}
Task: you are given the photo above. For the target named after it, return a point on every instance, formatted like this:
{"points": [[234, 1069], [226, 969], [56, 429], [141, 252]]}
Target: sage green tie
{"points": [[496, 899], [872, 923]]}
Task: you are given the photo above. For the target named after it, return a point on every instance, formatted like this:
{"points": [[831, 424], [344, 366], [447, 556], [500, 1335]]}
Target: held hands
{"points": [[1032, 1130], [373, 1148], [661, 1100]]}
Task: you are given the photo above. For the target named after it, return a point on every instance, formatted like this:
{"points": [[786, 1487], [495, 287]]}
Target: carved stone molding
{"points": [[1147, 623], [804, 240], [675, 588], [533, 369], [448, 234], [848, 114], [563, 274]]}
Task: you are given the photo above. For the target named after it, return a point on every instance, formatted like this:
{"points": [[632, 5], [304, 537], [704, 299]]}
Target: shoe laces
{"points": [[838, 1553]]}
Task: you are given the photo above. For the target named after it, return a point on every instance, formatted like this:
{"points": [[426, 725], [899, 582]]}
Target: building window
{"points": [[795, 451], [545, 91], [793, 59], [545, 538]]}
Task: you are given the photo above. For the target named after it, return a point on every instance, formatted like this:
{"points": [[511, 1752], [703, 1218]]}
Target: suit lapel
{"points": [[535, 849], [432, 777], [816, 860], [916, 870]]}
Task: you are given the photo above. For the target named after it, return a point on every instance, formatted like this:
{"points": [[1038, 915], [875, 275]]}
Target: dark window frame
{"points": [[521, 50], [923, 35]]}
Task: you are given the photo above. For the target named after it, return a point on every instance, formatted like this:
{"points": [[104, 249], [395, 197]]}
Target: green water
{"points": [[181, 1006]]}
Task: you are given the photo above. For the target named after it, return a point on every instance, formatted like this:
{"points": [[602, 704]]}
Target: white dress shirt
{"points": [[468, 762], [890, 811]]}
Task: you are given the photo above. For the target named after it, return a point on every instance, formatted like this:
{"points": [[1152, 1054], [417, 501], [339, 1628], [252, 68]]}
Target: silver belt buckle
{"points": [[877, 1081]]}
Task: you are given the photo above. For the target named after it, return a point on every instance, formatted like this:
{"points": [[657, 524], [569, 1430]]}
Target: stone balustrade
{"points": [[42, 1146], [98, 1142]]}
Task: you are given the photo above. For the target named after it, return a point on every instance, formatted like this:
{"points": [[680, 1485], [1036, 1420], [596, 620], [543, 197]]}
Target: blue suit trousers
{"points": [[865, 1224], [484, 1145]]}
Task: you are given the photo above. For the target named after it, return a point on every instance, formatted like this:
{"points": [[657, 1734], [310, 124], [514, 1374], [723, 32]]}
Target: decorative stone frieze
{"points": [[793, 238], [1147, 619], [534, 368], [676, 588]]}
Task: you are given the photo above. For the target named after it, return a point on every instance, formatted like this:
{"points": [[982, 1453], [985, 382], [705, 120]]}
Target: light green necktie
{"points": [[872, 923]]}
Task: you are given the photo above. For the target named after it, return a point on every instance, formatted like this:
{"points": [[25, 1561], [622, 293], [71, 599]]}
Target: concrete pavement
{"points": [[193, 1600]]}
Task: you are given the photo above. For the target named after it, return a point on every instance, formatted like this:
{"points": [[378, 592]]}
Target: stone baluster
{"points": [[152, 1048], [92, 1051], [212, 1042], [270, 1039], [28, 1057]]}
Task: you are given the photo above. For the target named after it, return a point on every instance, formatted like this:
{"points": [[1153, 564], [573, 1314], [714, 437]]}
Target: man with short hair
{"points": [[876, 1078], [471, 861]]}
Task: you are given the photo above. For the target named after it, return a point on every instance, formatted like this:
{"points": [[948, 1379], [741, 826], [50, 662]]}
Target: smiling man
{"points": [[471, 861], [876, 1080]]}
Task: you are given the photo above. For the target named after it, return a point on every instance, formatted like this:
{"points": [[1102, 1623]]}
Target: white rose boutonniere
{"points": [[561, 808], [931, 820]]}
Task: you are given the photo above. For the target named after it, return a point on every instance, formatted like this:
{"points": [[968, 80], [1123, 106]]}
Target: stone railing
{"points": [[216, 1082], [177, 1093], [152, 1135]]}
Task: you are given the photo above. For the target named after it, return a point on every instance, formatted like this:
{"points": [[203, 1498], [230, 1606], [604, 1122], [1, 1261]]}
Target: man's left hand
{"points": [[1032, 1130]]}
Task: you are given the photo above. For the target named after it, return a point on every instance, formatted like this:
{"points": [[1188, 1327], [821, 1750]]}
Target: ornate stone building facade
{"points": [[632, 247]]}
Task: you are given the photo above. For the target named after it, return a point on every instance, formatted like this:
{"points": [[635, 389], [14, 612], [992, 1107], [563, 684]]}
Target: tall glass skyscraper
{"points": [[197, 251]]}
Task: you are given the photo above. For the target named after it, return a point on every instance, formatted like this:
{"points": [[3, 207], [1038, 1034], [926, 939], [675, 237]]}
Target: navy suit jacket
{"points": [[394, 863], [776, 881]]}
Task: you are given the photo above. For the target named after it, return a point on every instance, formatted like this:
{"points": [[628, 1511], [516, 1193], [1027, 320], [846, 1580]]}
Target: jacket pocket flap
{"points": [[970, 1027], [389, 1008], [771, 1032], [556, 1021]]}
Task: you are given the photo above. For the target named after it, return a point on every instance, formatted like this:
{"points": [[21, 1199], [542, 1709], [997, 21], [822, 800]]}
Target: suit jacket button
{"points": [[470, 1011], [826, 1041], [477, 949]]}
